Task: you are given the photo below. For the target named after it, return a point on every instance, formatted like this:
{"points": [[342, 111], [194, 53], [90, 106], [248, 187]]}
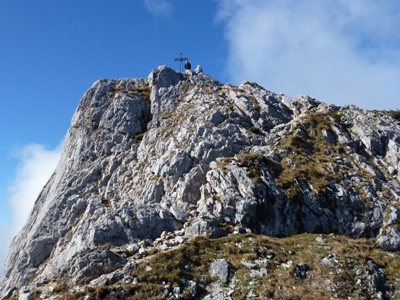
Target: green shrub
{"points": [[336, 116], [254, 129]]}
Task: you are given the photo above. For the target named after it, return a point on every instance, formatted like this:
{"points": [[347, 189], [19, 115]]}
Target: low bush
{"points": [[255, 130]]}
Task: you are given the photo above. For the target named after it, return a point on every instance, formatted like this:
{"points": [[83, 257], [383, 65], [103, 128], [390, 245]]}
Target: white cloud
{"points": [[35, 168], [339, 51], [158, 7]]}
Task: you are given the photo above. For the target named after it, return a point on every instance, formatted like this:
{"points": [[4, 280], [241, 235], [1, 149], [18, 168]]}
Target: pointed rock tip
{"points": [[164, 76]]}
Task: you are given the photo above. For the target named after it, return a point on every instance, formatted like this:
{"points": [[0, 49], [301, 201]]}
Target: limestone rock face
{"points": [[185, 153]]}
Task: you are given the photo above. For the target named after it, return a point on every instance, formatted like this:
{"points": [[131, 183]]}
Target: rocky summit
{"points": [[180, 187]]}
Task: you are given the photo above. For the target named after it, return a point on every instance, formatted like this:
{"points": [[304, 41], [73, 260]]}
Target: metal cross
{"points": [[180, 59]]}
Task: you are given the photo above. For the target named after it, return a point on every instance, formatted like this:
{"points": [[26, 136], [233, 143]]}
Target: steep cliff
{"points": [[186, 155]]}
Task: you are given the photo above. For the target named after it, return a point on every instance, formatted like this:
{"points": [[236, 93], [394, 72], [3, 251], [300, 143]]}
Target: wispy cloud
{"points": [[341, 52], [35, 168], [158, 7]]}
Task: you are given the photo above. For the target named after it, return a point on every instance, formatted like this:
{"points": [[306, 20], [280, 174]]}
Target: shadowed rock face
{"points": [[177, 152]]}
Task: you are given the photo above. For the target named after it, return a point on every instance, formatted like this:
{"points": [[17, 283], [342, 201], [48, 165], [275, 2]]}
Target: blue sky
{"points": [[338, 51]]}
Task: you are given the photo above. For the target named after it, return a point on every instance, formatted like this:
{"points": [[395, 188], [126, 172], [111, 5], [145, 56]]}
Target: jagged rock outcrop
{"points": [[185, 153]]}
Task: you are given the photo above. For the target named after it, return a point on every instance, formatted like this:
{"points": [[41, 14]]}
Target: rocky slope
{"points": [[149, 164]]}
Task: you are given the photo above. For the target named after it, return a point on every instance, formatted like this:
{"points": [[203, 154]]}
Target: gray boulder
{"points": [[222, 269]]}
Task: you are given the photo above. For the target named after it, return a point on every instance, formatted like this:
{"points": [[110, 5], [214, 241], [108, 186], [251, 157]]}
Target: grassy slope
{"points": [[345, 276]]}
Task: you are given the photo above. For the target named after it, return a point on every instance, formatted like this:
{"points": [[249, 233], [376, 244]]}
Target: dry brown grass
{"points": [[278, 255], [279, 281]]}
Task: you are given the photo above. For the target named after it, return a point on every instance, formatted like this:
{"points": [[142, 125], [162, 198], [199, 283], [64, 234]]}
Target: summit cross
{"points": [[180, 59]]}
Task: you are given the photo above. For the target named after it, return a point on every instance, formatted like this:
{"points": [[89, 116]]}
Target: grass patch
{"points": [[345, 259], [255, 163], [223, 162], [144, 92], [395, 114], [139, 137], [308, 157]]}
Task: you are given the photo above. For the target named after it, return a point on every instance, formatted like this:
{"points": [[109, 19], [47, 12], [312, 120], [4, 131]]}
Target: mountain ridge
{"points": [[185, 153]]}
